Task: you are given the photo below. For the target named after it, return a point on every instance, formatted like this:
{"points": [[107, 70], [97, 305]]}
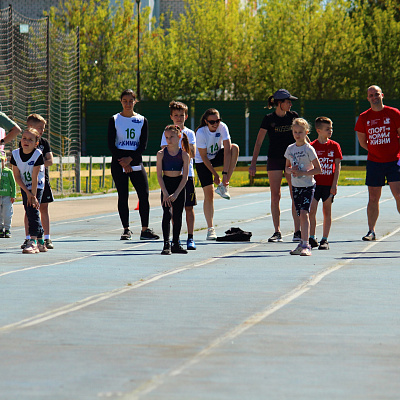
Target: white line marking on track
{"points": [[249, 323]]}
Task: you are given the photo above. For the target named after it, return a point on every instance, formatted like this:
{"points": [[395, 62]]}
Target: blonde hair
{"points": [[33, 131], [302, 123]]}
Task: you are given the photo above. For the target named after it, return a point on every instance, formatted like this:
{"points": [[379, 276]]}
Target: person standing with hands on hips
{"points": [[278, 126], [214, 149], [378, 131], [127, 139]]}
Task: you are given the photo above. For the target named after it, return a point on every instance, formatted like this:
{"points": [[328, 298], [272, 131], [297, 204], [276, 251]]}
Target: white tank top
{"points": [[128, 131], [26, 168]]}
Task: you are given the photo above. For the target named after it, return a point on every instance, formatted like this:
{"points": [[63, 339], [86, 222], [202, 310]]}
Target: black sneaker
{"points": [[369, 236], [313, 242], [23, 245], [1, 233], [127, 235], [166, 249], [7, 233], [178, 249], [276, 237], [49, 243], [297, 236], [323, 244], [148, 234]]}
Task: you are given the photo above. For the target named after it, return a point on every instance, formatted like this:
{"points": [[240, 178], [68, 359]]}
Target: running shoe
{"points": [[313, 242], [148, 234], [223, 191], [30, 248], [306, 251], [296, 236], [176, 248], [276, 237], [369, 236], [2, 234], [167, 249], [323, 245], [190, 244], [42, 247], [49, 244], [211, 235], [127, 235], [23, 245], [7, 233], [297, 251]]}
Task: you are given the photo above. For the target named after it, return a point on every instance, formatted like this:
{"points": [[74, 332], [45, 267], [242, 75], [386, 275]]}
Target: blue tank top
{"points": [[172, 163]]}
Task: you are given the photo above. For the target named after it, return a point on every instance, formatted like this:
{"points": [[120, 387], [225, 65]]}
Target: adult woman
{"points": [[214, 149], [278, 126], [127, 139]]}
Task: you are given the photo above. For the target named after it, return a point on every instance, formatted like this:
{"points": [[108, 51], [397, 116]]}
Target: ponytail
{"points": [[185, 143]]}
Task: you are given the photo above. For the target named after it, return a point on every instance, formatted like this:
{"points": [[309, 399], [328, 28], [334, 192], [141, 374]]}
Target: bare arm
{"points": [[48, 159], [336, 176], [257, 147], [160, 155], [362, 139], [11, 135]]}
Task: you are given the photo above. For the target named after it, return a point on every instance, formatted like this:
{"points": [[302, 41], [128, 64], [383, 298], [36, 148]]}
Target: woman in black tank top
{"points": [[172, 175]]}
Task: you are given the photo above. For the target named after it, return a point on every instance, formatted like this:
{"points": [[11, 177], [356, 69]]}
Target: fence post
{"points": [[90, 173], [104, 172], [78, 172], [247, 135], [61, 175]]}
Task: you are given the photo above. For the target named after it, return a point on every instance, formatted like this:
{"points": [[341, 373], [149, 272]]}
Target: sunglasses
{"points": [[213, 121]]}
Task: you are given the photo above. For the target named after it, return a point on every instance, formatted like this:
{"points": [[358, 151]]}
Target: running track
{"points": [[102, 318]]}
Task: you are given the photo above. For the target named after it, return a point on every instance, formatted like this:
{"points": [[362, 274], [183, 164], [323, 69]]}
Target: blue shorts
{"points": [[302, 198], [378, 172]]}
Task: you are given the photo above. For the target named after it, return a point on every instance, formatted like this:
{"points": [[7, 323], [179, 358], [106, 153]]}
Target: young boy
{"points": [[7, 197], [329, 154], [302, 163], [37, 122], [179, 114], [28, 168]]}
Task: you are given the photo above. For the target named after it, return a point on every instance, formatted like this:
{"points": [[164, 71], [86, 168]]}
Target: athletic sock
{"points": [[28, 237], [41, 241], [190, 236], [324, 238], [312, 236], [46, 237]]}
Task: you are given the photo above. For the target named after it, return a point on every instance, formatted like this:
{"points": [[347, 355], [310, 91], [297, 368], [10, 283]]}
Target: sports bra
{"points": [[172, 163]]}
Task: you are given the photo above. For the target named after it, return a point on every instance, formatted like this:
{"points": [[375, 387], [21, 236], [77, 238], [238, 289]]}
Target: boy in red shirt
{"points": [[329, 154]]}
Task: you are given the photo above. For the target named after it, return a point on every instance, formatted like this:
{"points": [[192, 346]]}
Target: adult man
{"points": [[378, 131], [9, 126]]}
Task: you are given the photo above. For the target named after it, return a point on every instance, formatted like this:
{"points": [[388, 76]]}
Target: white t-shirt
{"points": [[192, 140], [212, 141], [128, 131], [302, 157]]}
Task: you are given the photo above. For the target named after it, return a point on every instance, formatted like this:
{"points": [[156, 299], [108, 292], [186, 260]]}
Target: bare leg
{"points": [[327, 211], [275, 179], [190, 219], [296, 218], [45, 217], [313, 217], [208, 204], [374, 193]]}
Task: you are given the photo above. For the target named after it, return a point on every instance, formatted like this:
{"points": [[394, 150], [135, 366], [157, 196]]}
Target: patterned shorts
{"points": [[302, 197]]}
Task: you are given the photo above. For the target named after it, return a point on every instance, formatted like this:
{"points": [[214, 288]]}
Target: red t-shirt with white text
{"points": [[381, 130], [327, 154]]}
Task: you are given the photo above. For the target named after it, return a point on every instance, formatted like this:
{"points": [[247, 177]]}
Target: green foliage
{"points": [[221, 50]]}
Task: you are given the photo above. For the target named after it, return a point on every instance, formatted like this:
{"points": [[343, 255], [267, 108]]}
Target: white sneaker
{"points": [[211, 235], [223, 191]]}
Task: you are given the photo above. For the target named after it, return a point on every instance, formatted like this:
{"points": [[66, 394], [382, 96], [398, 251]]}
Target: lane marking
{"points": [[286, 299]]}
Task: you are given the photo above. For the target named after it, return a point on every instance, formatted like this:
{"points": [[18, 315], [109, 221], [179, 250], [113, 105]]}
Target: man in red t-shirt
{"points": [[378, 131], [329, 154]]}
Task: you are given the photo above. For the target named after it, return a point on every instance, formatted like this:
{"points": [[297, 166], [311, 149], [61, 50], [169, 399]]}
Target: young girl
{"points": [[278, 126], [127, 139], [302, 163], [172, 175], [213, 149], [28, 168]]}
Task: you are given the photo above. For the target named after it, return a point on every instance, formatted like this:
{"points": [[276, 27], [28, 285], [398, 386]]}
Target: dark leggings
{"points": [[171, 184], [34, 223], [141, 185]]}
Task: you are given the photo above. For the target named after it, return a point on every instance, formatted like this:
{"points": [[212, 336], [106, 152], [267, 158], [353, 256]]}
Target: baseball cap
{"points": [[283, 94]]}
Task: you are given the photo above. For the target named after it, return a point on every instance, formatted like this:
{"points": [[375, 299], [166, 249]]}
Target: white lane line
{"points": [[286, 299], [48, 315]]}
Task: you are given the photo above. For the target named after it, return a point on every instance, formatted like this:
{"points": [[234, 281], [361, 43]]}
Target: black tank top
{"points": [[172, 163]]}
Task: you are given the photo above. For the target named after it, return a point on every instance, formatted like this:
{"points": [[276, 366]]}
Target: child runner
{"points": [[127, 139], [302, 163], [28, 168], [214, 148], [7, 196], [329, 155], [179, 114], [172, 175], [37, 122]]}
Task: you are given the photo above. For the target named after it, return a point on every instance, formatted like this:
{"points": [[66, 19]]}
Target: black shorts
{"points": [[302, 198], [205, 176], [47, 196], [190, 193], [378, 172], [276, 164], [323, 192]]}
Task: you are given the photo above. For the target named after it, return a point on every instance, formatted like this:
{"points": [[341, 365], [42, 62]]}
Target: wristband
{"points": [[224, 173]]}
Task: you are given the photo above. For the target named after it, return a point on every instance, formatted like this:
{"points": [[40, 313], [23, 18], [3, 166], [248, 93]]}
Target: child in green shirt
{"points": [[7, 197]]}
